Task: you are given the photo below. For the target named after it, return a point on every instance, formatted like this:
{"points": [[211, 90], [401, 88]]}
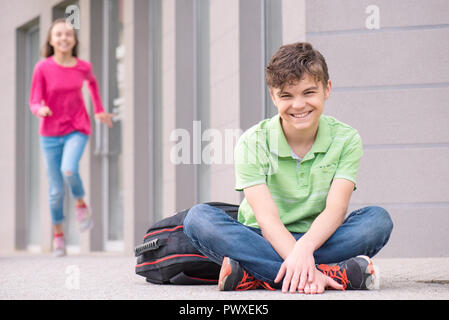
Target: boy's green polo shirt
{"points": [[298, 187]]}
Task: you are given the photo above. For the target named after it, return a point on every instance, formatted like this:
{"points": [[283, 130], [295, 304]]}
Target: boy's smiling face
{"points": [[301, 104]]}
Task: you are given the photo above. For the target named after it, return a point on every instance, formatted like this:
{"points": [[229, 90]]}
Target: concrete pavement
{"points": [[104, 276]]}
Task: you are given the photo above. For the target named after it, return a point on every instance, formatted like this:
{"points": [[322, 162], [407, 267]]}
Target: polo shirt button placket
{"points": [[304, 176], [298, 172], [302, 180]]}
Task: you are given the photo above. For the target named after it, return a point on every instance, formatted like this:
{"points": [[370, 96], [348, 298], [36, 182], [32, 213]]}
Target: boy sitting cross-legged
{"points": [[297, 170]]}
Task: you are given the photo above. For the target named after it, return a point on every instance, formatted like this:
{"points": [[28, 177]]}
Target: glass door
{"points": [[272, 40], [32, 181], [110, 146]]}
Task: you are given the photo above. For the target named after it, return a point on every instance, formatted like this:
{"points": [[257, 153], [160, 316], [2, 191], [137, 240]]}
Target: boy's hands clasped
{"points": [[300, 273]]}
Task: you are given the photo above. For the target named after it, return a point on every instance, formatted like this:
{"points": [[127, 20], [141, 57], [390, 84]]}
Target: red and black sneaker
{"points": [[357, 273], [234, 278]]}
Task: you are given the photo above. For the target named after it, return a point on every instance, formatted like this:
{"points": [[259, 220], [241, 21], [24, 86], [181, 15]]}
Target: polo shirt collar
{"points": [[322, 141]]}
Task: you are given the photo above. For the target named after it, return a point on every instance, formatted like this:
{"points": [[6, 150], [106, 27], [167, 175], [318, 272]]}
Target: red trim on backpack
{"points": [[170, 257], [210, 280], [163, 230]]}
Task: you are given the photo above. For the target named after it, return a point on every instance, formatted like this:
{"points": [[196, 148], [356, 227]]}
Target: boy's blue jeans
{"points": [[215, 234], [62, 155]]}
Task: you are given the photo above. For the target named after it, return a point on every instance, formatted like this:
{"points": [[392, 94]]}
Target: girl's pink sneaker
{"points": [[84, 218], [59, 245]]}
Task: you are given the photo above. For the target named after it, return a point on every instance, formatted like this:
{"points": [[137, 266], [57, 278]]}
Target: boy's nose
{"points": [[299, 103]]}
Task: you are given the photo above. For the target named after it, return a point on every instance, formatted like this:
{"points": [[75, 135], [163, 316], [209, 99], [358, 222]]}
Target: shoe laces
{"points": [[335, 273], [248, 282]]}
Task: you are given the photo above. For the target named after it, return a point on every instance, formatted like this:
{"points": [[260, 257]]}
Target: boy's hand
{"points": [[301, 273], [297, 269], [320, 283], [44, 112]]}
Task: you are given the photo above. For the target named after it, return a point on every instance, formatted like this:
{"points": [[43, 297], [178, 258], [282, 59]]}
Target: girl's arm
{"points": [[37, 91], [94, 91], [100, 114]]}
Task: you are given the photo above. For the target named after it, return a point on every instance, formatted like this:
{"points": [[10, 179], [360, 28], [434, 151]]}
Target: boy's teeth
{"points": [[301, 115]]}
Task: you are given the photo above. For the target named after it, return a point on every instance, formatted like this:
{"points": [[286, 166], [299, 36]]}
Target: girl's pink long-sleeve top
{"points": [[59, 88]]}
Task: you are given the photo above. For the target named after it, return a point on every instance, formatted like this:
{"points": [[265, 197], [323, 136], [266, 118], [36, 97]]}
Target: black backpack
{"points": [[167, 255]]}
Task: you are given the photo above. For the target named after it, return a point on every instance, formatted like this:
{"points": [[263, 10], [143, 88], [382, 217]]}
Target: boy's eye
{"points": [[310, 92]]}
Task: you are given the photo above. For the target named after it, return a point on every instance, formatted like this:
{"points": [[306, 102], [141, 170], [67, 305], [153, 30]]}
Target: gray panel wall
{"points": [[392, 84]]}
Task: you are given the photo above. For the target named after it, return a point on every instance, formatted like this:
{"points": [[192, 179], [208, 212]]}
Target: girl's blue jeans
{"points": [[216, 234], [62, 155]]}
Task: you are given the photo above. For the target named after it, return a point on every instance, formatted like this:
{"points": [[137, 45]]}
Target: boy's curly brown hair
{"points": [[291, 62]]}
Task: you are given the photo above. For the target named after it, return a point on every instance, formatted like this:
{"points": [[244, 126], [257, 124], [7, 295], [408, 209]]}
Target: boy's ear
{"points": [[271, 90], [328, 89]]}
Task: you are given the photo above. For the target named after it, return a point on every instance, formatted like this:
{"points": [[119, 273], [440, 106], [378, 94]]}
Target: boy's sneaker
{"points": [[357, 273], [84, 218], [234, 278], [59, 246]]}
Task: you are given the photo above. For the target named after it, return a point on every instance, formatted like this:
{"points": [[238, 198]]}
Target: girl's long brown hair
{"points": [[48, 50]]}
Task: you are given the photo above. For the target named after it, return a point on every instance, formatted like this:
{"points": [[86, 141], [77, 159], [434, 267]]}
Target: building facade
{"points": [[186, 77]]}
